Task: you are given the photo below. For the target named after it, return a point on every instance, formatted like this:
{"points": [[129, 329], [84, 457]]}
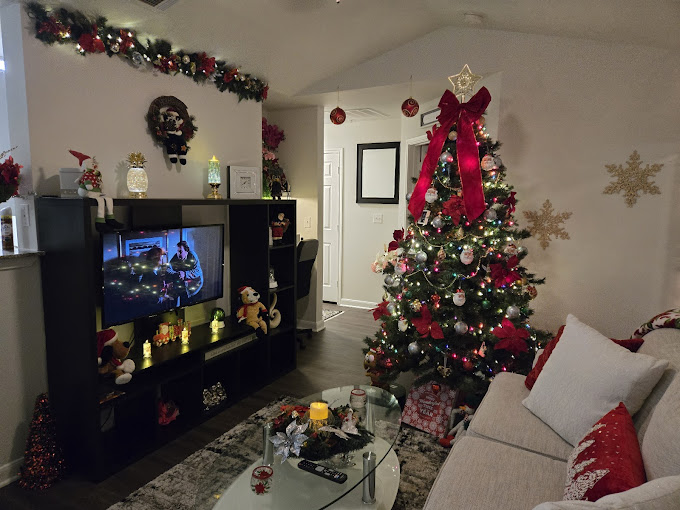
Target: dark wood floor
{"points": [[333, 357]]}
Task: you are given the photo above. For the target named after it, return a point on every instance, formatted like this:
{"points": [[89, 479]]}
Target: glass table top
{"points": [[291, 487]]}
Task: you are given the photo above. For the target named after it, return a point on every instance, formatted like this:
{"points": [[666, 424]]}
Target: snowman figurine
{"points": [[90, 186]]}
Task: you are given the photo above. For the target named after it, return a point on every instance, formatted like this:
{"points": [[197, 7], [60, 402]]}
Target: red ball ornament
{"points": [[338, 115], [410, 107], [468, 365]]}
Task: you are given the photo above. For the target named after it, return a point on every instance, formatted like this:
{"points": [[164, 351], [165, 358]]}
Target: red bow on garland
{"points": [[53, 26], [510, 202], [230, 75], [455, 208], [380, 310], [463, 115], [512, 340], [503, 274], [426, 326]]}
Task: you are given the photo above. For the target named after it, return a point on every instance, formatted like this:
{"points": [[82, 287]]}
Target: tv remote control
{"points": [[324, 472]]}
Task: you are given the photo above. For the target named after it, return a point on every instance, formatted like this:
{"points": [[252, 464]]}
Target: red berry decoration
{"points": [[338, 115], [410, 107]]}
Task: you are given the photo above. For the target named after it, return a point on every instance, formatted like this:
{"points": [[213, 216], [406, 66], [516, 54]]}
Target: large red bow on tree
{"points": [[463, 115], [503, 274], [512, 339], [426, 326], [380, 310]]}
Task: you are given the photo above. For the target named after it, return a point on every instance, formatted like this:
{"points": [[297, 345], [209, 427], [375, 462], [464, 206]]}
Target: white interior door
{"points": [[332, 162]]}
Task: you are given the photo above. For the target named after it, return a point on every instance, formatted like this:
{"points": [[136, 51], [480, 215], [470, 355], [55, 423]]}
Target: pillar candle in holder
{"points": [[147, 349], [214, 171], [185, 336], [215, 326], [318, 411]]}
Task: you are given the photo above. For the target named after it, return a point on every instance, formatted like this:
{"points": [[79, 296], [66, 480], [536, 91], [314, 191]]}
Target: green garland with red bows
{"points": [[87, 36]]}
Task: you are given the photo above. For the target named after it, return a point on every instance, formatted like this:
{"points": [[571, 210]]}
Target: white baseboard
{"points": [[10, 472], [354, 303], [314, 326]]}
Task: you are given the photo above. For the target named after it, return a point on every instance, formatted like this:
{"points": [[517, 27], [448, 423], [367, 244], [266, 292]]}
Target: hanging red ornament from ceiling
{"points": [[410, 107], [338, 115]]}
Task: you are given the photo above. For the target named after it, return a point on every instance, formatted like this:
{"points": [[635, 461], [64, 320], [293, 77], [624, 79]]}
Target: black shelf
{"points": [[102, 435]]}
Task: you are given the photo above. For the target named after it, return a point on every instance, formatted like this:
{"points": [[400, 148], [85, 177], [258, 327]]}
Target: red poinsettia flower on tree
{"points": [[229, 75], [454, 207], [380, 310], [398, 235], [503, 274], [426, 326], [265, 92], [53, 26], [511, 201], [512, 339]]}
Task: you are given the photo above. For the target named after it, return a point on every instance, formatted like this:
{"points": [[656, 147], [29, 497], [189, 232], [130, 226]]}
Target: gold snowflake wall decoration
{"points": [[545, 224], [632, 179]]}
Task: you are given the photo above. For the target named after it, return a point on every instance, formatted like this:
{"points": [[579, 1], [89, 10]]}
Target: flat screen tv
{"points": [[148, 272]]}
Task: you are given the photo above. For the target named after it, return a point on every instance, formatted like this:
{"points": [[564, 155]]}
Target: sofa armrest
{"points": [[571, 505]]}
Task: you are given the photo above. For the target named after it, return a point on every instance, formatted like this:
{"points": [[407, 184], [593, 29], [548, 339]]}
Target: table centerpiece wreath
{"points": [[296, 434]]}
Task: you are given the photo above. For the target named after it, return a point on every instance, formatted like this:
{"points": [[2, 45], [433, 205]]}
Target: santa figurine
{"points": [[279, 227], [90, 186]]}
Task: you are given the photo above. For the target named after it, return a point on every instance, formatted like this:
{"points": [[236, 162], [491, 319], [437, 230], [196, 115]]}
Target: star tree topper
{"points": [[546, 224], [632, 179], [464, 81]]}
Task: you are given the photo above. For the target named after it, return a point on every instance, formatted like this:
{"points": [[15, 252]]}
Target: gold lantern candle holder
{"points": [[214, 178], [137, 180]]}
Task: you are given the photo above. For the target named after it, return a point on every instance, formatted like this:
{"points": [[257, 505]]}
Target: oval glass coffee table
{"points": [[293, 488]]}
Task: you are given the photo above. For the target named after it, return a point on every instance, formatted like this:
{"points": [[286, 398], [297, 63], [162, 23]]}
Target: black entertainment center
{"points": [[104, 426]]}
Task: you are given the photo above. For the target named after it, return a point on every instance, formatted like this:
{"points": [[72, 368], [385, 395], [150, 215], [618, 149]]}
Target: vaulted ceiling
{"points": [[293, 44]]}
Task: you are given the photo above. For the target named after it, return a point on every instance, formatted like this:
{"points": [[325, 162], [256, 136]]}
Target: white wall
{"points": [[568, 108], [301, 157], [95, 105], [361, 238]]}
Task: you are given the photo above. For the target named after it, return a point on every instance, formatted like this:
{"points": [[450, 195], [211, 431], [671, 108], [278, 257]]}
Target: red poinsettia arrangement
{"points": [[9, 178], [426, 326], [503, 274], [454, 207]]}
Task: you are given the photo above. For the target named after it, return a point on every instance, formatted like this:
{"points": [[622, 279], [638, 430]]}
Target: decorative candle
{"points": [[147, 349], [318, 411], [214, 171], [215, 326], [137, 180], [185, 336]]}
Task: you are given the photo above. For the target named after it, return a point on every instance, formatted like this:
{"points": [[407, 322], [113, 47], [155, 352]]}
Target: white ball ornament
{"points": [[459, 297], [437, 222], [421, 257], [467, 256], [446, 157], [391, 307], [460, 328], [409, 195], [431, 195], [490, 215], [402, 325], [512, 312], [452, 135], [498, 161], [389, 280], [488, 163], [413, 348]]}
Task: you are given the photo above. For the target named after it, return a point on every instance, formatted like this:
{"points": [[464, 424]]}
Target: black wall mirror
{"points": [[378, 173]]}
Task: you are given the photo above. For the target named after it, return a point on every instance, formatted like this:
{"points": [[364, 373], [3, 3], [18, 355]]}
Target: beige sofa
{"points": [[511, 460]]}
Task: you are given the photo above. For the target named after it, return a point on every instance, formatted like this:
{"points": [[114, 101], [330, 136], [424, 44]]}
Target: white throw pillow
{"points": [[585, 377]]}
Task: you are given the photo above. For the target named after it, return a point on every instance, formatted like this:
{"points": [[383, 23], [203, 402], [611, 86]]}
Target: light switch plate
{"points": [[377, 218]]}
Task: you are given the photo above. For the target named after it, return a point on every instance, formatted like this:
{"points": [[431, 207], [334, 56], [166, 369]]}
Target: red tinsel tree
{"points": [[43, 459]]}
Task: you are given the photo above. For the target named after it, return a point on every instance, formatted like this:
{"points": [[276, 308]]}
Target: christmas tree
{"points": [[43, 460], [456, 307]]}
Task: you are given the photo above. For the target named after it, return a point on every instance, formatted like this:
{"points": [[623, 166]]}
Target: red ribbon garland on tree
{"points": [[463, 115]]}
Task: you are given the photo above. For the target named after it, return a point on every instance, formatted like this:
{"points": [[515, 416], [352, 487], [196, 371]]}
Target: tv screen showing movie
{"points": [[148, 272]]}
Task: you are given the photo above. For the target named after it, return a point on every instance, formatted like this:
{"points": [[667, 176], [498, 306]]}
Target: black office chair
{"points": [[306, 255]]}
